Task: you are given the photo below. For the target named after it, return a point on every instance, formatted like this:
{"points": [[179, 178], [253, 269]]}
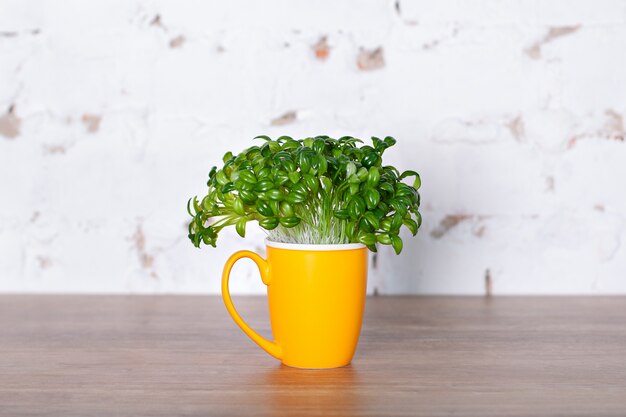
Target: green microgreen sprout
{"points": [[317, 190]]}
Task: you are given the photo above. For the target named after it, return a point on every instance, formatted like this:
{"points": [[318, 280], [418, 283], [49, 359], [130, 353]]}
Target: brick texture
{"points": [[112, 113]]}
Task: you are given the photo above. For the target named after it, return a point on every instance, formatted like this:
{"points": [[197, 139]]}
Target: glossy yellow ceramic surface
{"points": [[316, 299]]}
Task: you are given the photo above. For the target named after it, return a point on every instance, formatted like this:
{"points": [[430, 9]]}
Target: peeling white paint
{"points": [[513, 113]]}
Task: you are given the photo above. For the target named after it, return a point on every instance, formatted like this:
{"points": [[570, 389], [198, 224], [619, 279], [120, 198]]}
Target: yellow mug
{"points": [[316, 297]]}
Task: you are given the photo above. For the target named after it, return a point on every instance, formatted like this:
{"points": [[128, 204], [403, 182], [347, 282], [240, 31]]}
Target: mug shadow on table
{"points": [[328, 390]]}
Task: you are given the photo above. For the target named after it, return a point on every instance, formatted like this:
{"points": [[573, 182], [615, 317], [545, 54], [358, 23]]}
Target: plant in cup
{"points": [[323, 203], [312, 191]]}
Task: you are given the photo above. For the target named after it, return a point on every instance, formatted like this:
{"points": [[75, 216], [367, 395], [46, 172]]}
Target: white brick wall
{"points": [[112, 112]]}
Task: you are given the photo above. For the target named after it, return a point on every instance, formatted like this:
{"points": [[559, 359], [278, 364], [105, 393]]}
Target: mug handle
{"points": [[270, 347]]}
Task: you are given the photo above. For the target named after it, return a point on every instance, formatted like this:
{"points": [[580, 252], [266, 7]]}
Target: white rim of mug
{"points": [[314, 247]]}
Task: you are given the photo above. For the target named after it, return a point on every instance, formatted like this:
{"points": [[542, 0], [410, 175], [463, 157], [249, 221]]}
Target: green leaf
{"points": [[417, 183], [189, 208], [350, 140], [354, 179], [353, 211], [264, 172], [280, 179], [247, 176], [248, 197], [327, 184], [373, 177], [264, 208], [227, 188], [221, 178], [227, 157], [289, 165], [384, 238], [290, 144], [264, 137], [360, 201], [238, 206], [294, 177], [263, 185], [240, 226], [379, 145], [312, 183], [396, 243], [367, 239], [356, 207], [369, 160], [411, 225], [396, 221], [318, 146], [390, 141], [295, 197], [351, 228], [342, 214], [286, 209], [275, 195], [300, 188], [289, 222], [372, 197], [362, 173], [350, 169], [371, 219], [305, 162], [212, 173], [269, 223], [322, 165], [385, 186], [242, 185], [404, 190]]}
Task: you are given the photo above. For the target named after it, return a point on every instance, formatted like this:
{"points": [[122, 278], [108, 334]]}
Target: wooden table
{"points": [[431, 356]]}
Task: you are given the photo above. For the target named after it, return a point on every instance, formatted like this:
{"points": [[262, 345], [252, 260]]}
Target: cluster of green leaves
{"points": [[313, 190]]}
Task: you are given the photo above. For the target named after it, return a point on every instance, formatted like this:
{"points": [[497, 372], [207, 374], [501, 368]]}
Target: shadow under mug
{"points": [[316, 296]]}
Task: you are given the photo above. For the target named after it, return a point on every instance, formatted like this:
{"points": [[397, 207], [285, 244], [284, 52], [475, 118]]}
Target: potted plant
{"points": [[324, 203]]}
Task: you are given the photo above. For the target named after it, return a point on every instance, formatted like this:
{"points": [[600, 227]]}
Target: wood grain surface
{"points": [[418, 356]]}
